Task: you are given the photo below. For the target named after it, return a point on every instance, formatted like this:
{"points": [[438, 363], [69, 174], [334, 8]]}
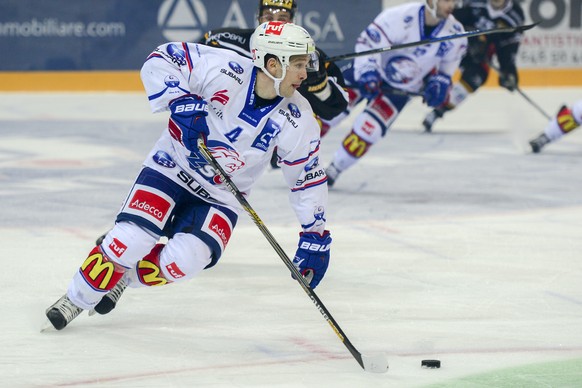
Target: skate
{"points": [[538, 143], [430, 118], [332, 174], [110, 299], [62, 312]]}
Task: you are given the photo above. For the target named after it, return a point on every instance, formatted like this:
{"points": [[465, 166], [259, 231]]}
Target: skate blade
{"points": [[47, 327]]}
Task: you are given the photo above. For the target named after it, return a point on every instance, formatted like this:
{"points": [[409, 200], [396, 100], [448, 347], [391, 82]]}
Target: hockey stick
{"points": [[532, 103], [467, 34], [376, 363]]}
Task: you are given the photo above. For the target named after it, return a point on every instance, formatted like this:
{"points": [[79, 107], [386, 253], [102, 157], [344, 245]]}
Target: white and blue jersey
{"points": [[405, 69], [242, 136]]}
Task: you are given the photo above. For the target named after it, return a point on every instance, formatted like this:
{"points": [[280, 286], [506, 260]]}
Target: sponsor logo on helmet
{"points": [[274, 28], [294, 109], [177, 54], [236, 67], [163, 159], [171, 81]]}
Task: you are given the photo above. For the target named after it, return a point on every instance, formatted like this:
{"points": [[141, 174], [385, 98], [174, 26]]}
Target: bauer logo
{"points": [[183, 20], [150, 204]]}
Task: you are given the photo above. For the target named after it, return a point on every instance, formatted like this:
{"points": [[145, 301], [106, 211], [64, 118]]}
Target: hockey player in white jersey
{"points": [[388, 79], [243, 108], [567, 119]]}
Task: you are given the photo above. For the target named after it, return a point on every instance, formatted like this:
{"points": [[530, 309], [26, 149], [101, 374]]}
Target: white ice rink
{"points": [[459, 245]]}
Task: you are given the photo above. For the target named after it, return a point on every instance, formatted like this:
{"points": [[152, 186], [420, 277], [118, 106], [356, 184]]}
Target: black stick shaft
{"points": [[300, 279], [467, 34]]}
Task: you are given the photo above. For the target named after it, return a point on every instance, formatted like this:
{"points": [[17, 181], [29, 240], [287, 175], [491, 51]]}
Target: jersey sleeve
{"points": [[378, 34], [171, 71], [305, 175], [457, 50]]}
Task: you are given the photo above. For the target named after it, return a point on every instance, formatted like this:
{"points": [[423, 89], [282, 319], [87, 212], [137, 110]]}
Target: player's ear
{"points": [[273, 66]]}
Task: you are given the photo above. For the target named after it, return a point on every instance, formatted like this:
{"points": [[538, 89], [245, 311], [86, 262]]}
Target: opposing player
{"points": [[475, 67], [565, 122], [242, 108], [324, 86], [388, 79]]}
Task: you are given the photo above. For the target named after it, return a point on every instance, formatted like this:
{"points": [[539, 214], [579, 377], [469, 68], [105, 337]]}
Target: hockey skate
{"points": [[110, 299], [538, 143], [430, 118], [332, 174], [62, 312]]}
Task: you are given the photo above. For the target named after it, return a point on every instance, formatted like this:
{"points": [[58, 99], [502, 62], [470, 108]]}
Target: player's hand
{"points": [[436, 90], [508, 81], [312, 256], [369, 84], [188, 120]]}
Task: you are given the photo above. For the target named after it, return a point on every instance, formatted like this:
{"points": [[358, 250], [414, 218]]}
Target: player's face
{"points": [[445, 8], [275, 15], [296, 73]]}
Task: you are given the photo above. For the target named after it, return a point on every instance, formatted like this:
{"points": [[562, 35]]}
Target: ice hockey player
{"points": [[388, 79], [565, 122], [475, 67], [323, 88], [242, 108]]}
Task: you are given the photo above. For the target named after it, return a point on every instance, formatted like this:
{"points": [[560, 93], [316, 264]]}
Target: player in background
{"points": [[387, 80], [565, 122], [475, 67], [243, 109], [323, 88]]}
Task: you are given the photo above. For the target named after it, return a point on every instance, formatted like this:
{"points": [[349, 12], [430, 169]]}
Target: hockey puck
{"points": [[432, 364]]}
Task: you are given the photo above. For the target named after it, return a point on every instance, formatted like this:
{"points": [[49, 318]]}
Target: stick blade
{"points": [[376, 363]]}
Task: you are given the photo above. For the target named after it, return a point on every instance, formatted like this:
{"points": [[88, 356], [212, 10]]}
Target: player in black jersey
{"points": [[476, 65]]}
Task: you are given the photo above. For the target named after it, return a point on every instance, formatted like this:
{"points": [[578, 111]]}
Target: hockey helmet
{"points": [[287, 5], [281, 40]]}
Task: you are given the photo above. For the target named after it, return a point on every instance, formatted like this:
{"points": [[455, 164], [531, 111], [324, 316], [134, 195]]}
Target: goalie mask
{"points": [[281, 40]]}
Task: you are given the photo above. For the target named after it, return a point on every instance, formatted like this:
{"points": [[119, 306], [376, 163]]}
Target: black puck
{"points": [[432, 364]]}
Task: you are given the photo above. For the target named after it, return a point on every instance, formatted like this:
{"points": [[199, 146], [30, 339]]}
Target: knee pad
{"points": [[183, 257], [128, 243]]}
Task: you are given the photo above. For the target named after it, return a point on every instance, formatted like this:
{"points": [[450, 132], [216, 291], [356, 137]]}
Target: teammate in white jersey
{"points": [[387, 80], [567, 119], [243, 108]]}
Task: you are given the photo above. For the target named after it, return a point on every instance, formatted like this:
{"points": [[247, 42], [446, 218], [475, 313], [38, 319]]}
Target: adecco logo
{"points": [[182, 20]]}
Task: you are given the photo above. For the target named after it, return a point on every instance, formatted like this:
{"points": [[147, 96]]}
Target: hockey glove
{"points": [[312, 256], [188, 120], [436, 90], [369, 84], [508, 81]]}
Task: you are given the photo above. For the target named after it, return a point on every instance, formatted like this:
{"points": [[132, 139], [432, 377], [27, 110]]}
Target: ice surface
{"points": [[459, 245]]}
